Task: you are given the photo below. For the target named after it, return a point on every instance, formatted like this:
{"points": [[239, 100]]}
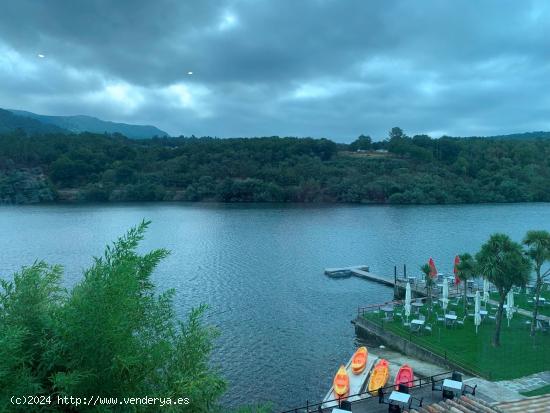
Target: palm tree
{"points": [[466, 271], [429, 284], [503, 263], [538, 249]]}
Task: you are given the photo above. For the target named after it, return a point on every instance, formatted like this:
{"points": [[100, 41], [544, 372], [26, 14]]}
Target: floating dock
{"points": [[360, 271], [357, 383], [397, 283]]}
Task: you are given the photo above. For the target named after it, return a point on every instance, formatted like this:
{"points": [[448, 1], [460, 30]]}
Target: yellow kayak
{"points": [[341, 383], [379, 376], [359, 360]]}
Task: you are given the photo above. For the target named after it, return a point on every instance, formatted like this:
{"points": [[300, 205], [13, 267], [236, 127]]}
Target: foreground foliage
{"points": [[417, 170], [111, 335]]}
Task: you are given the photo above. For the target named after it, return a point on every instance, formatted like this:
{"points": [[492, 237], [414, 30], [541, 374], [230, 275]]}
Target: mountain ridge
{"points": [[78, 124]]}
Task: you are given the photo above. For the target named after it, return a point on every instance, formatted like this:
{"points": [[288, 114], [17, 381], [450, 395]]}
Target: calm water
{"points": [[285, 327]]}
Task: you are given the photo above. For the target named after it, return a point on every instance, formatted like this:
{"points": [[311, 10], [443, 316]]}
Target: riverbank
{"points": [[461, 348]]}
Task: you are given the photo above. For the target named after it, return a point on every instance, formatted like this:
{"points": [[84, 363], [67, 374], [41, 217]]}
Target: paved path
{"points": [[527, 383], [524, 312], [487, 390]]}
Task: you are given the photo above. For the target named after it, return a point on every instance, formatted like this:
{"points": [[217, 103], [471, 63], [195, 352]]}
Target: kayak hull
{"points": [[341, 383], [379, 377], [359, 360], [404, 376]]}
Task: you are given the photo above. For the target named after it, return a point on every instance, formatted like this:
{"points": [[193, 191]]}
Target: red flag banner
{"points": [[433, 270], [457, 261]]}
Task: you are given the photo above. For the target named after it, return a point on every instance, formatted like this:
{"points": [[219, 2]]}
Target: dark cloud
{"points": [[302, 68]]}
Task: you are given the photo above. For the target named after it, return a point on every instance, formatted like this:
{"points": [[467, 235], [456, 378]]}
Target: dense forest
{"points": [[397, 170]]}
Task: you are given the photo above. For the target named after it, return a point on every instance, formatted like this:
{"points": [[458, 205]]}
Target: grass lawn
{"points": [[538, 392], [520, 300], [518, 355]]}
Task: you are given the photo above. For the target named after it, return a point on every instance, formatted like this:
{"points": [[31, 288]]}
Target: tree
{"points": [[396, 133], [112, 335], [538, 250], [503, 263], [361, 143], [466, 271], [429, 285]]}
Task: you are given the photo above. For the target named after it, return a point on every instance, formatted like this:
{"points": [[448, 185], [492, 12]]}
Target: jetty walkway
{"points": [[418, 287]]}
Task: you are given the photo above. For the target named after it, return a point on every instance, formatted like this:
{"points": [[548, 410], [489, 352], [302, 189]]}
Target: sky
{"points": [[319, 68]]}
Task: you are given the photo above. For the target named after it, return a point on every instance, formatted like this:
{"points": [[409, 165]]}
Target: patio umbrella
{"points": [[485, 291], [445, 298], [509, 306], [433, 270], [455, 269], [408, 301], [477, 316]]}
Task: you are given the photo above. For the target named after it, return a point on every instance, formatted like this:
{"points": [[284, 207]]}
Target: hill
{"points": [[518, 136], [82, 123], [10, 122], [417, 170], [524, 136]]}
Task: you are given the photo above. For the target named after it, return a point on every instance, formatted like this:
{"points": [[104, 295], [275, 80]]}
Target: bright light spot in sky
{"points": [[228, 21], [181, 94], [125, 97], [192, 97], [308, 91], [189, 73], [40, 55]]}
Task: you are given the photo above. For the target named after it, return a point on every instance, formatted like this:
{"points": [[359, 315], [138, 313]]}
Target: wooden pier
{"points": [[418, 289], [360, 271]]}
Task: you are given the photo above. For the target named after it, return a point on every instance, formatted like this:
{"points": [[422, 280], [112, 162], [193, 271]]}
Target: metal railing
{"points": [[366, 395]]}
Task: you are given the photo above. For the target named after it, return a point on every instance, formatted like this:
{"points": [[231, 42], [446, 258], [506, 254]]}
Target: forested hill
{"points": [[399, 170], [32, 124]]}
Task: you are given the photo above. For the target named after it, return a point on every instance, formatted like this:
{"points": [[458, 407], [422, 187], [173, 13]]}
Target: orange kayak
{"points": [[341, 383], [379, 376], [404, 376], [359, 360]]}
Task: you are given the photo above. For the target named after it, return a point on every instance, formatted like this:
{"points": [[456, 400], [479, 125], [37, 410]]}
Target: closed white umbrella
{"points": [[485, 291], [477, 316], [408, 301], [445, 298], [510, 306]]}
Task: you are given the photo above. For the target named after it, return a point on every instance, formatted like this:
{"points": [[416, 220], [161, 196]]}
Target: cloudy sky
{"points": [[322, 68]]}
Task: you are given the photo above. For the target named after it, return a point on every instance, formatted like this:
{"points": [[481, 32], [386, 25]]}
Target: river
{"points": [[285, 327]]}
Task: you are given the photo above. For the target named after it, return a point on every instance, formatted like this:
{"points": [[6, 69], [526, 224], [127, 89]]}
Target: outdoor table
{"points": [[401, 399], [387, 309], [483, 313], [417, 306], [450, 318], [418, 325], [453, 385], [337, 410]]}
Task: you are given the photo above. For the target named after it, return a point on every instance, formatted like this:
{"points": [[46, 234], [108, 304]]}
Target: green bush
{"points": [[112, 335]]}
